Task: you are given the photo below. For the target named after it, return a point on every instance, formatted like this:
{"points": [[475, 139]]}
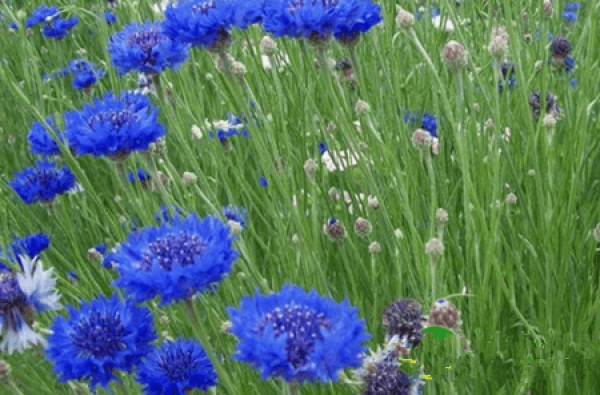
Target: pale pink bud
{"points": [[455, 55]]}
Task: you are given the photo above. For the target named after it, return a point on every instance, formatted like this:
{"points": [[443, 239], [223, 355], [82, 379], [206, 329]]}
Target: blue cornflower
{"points": [[560, 47], [321, 19], [43, 182], [208, 23], [356, 17], [40, 15], [429, 123], [58, 27], [85, 74], [13, 25], [263, 181], [387, 378], [237, 214], [110, 17], [176, 368], [100, 338], [145, 48], [572, 7], [569, 17], [175, 260], [29, 246], [43, 142], [72, 276], [298, 335], [322, 148], [140, 175], [113, 127], [573, 82], [23, 295], [101, 248]]}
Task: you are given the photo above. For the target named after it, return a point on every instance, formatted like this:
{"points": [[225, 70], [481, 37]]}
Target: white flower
{"points": [[448, 25], [340, 161], [37, 286]]}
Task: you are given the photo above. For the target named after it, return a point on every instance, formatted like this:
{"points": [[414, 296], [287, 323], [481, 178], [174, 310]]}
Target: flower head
{"points": [[386, 378], [43, 182], [208, 23], [29, 246], [23, 295], [560, 47], [404, 319], [40, 15], [42, 140], [100, 338], [444, 313], [84, 73], [455, 55], [298, 335], [320, 19], [535, 102], [145, 48], [140, 175], [237, 214], [113, 127], [110, 17], [57, 28], [176, 368], [176, 260]]}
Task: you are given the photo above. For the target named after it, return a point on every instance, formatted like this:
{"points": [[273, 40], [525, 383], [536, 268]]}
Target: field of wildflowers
{"points": [[278, 196]]}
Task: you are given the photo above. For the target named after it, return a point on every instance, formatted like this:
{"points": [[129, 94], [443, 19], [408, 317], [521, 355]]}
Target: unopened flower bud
{"points": [[548, 8], [268, 46], [399, 234], [361, 107], [373, 202], [511, 198], [189, 178], [434, 248], [441, 216], [443, 313], [422, 139], [374, 247], [234, 227], [362, 227], [405, 19], [499, 42], [310, 167], [455, 55]]}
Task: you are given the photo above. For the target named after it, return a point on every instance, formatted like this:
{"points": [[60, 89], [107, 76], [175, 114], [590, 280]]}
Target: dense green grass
{"points": [[531, 269]]}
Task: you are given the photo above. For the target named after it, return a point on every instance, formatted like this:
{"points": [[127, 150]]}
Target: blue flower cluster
{"points": [[343, 19], [208, 23], [43, 182], [426, 121], [43, 141], [145, 48], [176, 260], [176, 368], [297, 335], [99, 339], [113, 126], [54, 26], [570, 10]]}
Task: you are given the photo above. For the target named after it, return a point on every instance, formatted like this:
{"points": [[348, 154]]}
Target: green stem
{"points": [[293, 388]]}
